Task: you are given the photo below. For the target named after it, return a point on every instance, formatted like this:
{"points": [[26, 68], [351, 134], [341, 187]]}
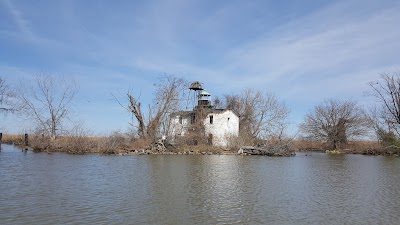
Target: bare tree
{"points": [[47, 100], [167, 98], [387, 92], [386, 132], [262, 115], [6, 97], [335, 122], [218, 103]]}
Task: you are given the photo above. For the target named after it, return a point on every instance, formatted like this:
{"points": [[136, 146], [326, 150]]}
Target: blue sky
{"points": [[303, 51]]}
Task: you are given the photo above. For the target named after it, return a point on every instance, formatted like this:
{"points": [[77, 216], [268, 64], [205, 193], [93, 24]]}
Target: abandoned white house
{"points": [[216, 125]]}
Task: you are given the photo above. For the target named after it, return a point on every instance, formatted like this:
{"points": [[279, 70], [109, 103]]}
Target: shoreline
{"points": [[177, 151], [92, 146], [375, 152]]}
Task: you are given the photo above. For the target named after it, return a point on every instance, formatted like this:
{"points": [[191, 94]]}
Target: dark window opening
{"points": [[228, 119], [193, 118], [211, 119], [180, 120]]}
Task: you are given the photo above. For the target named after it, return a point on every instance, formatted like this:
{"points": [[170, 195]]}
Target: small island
{"points": [[184, 118]]}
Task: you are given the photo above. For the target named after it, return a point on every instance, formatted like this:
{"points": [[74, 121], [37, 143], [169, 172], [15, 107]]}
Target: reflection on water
{"points": [[197, 189]]}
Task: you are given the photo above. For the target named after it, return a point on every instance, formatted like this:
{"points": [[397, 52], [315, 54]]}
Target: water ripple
{"points": [[179, 189]]}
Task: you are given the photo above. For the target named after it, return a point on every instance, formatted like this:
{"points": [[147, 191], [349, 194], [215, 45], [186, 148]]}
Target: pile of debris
{"points": [[268, 150], [157, 146]]}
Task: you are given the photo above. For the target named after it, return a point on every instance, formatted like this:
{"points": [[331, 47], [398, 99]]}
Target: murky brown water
{"points": [[38, 188]]}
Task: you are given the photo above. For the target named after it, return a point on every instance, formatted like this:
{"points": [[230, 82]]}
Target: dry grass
{"points": [[364, 145], [112, 144], [235, 142], [305, 145], [76, 144], [17, 139], [118, 143], [139, 144], [352, 147]]}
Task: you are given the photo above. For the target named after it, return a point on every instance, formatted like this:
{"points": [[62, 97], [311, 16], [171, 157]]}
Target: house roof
{"points": [[204, 93]]}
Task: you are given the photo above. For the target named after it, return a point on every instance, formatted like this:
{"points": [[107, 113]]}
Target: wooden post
{"points": [[1, 136], [26, 141]]}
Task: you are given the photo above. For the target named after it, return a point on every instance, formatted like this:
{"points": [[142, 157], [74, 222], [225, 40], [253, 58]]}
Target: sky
{"points": [[303, 51]]}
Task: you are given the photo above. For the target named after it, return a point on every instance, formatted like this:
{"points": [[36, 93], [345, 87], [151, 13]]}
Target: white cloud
{"points": [[336, 48], [304, 57], [18, 16]]}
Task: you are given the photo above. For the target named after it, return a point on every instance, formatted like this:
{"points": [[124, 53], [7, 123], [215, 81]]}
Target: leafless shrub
{"points": [[139, 144], [77, 141], [235, 142], [40, 143], [335, 122], [308, 145], [112, 143]]}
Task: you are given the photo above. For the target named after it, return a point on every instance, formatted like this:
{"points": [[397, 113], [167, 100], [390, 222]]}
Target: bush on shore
{"points": [[352, 147], [75, 143], [119, 143]]}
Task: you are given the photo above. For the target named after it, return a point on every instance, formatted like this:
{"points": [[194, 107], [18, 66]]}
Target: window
{"points": [[211, 119], [228, 119], [180, 120], [193, 119]]}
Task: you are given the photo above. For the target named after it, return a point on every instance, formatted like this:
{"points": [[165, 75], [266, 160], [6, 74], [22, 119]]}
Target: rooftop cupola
{"points": [[204, 99]]}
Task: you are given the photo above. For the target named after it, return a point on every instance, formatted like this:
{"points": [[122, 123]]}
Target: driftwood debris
{"points": [[267, 150], [157, 146]]}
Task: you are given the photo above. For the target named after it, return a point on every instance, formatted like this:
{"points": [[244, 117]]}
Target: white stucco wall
{"points": [[178, 129], [224, 124]]}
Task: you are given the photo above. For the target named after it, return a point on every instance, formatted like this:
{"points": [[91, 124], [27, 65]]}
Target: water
{"points": [[40, 188]]}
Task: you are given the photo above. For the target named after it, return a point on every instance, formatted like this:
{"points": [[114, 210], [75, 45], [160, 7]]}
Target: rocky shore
{"points": [[189, 152], [158, 148]]}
